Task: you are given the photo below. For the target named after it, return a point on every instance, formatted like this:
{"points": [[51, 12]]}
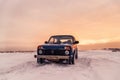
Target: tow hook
{"points": [[35, 56]]}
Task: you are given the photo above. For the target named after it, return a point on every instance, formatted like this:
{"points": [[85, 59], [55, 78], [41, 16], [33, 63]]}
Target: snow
{"points": [[91, 65]]}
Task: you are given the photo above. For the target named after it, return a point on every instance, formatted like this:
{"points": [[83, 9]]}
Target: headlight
{"points": [[67, 52], [40, 47], [67, 48], [40, 51]]}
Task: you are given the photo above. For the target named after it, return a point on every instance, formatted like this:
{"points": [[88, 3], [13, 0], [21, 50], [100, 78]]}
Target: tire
{"points": [[71, 60], [76, 56], [40, 61]]}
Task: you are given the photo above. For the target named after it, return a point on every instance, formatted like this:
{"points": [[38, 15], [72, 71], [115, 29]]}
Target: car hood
{"points": [[54, 46]]}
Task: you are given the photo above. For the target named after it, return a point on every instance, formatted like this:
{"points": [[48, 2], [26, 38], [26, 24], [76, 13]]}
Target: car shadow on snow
{"points": [[61, 64], [81, 62]]}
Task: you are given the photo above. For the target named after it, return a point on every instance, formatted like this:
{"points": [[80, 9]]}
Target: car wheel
{"points": [[76, 56], [71, 60], [40, 61]]}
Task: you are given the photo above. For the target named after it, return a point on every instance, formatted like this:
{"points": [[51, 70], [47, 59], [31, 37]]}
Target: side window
{"points": [[51, 41], [55, 40]]}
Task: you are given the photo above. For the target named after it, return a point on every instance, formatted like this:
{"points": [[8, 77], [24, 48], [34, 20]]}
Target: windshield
{"points": [[60, 40]]}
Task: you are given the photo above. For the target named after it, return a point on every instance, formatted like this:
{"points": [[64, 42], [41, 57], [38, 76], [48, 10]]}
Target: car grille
{"points": [[54, 52]]}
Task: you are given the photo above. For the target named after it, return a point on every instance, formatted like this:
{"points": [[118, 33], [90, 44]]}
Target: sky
{"points": [[24, 24]]}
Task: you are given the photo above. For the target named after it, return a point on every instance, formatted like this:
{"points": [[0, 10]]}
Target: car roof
{"points": [[62, 36]]}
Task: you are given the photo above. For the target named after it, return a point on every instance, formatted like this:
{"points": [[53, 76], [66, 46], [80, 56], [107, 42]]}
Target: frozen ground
{"points": [[91, 65]]}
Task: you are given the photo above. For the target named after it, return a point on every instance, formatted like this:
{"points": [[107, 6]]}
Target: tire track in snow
{"points": [[19, 68]]}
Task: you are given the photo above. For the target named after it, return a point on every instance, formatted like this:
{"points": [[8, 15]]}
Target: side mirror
{"points": [[76, 42], [46, 42]]}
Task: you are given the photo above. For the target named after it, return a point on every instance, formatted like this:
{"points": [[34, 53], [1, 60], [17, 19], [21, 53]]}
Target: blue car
{"points": [[58, 48]]}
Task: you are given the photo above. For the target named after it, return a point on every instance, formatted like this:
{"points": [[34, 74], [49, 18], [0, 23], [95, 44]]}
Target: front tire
{"points": [[76, 56], [71, 60], [40, 61]]}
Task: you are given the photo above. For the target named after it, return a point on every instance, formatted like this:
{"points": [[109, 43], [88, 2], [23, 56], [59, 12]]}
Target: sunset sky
{"points": [[24, 24]]}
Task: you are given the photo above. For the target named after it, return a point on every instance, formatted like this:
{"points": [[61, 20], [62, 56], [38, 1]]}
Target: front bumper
{"points": [[51, 57]]}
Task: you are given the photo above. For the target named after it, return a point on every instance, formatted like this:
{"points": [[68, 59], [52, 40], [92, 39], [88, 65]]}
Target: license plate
{"points": [[53, 57]]}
